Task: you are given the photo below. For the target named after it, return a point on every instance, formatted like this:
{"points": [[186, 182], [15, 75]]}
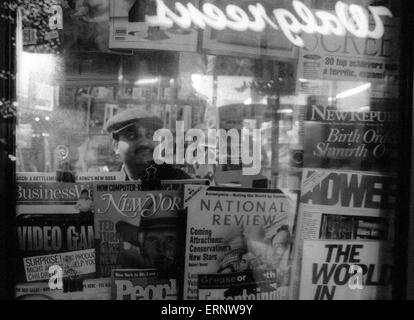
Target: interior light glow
{"points": [[365, 109], [285, 111], [147, 81], [248, 101], [353, 91]]}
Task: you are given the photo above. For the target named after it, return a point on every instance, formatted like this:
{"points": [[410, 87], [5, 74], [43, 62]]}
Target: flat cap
{"points": [[130, 116]]}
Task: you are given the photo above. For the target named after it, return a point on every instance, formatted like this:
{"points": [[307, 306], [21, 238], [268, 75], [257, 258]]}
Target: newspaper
{"points": [[141, 284], [343, 205], [233, 230], [93, 289], [346, 270]]}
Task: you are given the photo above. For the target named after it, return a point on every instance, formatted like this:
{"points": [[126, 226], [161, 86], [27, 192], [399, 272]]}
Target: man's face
{"points": [[280, 242], [84, 196], [244, 265], [135, 145], [160, 247]]}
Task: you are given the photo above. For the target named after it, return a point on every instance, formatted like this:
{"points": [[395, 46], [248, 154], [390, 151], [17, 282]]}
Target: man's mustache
{"points": [[143, 148]]}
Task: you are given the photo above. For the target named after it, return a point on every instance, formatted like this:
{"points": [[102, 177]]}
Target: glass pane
{"points": [[279, 120]]}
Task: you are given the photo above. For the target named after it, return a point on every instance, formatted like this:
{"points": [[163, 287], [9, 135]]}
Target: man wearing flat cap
{"points": [[153, 243], [132, 131]]}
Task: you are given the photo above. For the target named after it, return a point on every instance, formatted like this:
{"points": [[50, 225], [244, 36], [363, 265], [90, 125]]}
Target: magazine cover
{"points": [[93, 289], [54, 228], [364, 140], [358, 60], [73, 265], [141, 284], [129, 30], [66, 240], [79, 177], [232, 231], [248, 285], [51, 197], [348, 192], [179, 185], [346, 270], [343, 205], [136, 229]]}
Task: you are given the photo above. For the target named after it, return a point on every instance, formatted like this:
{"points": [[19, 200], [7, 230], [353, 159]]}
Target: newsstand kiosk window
{"points": [[198, 150]]}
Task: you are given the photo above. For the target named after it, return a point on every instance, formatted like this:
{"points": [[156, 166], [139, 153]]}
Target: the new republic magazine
{"points": [[351, 140], [238, 243]]}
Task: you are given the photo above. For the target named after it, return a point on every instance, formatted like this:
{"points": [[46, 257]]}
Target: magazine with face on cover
{"points": [[141, 284], [138, 229], [238, 232]]}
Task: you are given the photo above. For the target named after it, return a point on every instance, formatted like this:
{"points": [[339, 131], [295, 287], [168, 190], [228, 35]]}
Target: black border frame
{"points": [[403, 270], [403, 286], [8, 237]]}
